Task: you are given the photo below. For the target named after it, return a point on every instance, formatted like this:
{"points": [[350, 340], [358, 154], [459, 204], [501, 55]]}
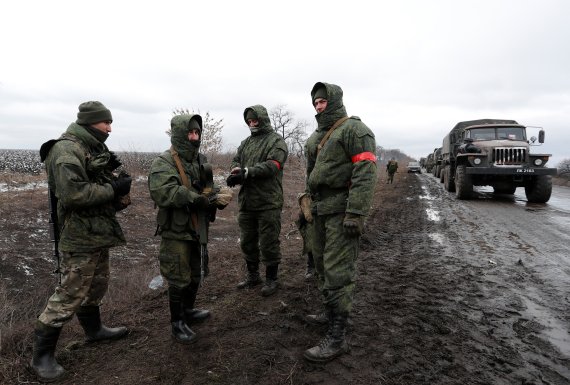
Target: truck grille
{"points": [[509, 155]]}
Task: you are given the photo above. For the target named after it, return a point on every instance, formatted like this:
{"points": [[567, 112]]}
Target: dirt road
{"points": [[448, 292]]}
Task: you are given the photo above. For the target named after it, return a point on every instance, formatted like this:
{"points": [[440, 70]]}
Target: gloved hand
{"points": [[114, 162], [201, 202], [122, 185], [236, 177], [353, 224], [301, 219]]}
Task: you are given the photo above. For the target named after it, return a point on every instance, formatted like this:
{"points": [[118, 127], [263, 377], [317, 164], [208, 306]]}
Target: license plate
{"points": [[525, 170]]}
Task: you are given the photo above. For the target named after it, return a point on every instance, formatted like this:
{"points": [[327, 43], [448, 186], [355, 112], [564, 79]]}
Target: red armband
{"points": [[276, 163], [364, 156]]}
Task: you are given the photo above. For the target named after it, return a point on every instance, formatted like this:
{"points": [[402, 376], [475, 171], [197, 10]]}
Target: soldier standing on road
{"points": [[341, 176], [185, 209], [391, 168], [258, 168], [80, 174]]}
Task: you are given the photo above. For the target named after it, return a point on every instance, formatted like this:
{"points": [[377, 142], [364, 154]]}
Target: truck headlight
{"points": [[538, 162], [477, 161]]}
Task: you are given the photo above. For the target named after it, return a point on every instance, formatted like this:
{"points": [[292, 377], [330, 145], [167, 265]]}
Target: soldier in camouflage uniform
{"points": [[258, 168], [79, 167], [341, 176], [391, 168], [186, 208]]}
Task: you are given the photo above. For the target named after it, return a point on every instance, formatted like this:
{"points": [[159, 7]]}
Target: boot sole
{"points": [[315, 360], [190, 342]]}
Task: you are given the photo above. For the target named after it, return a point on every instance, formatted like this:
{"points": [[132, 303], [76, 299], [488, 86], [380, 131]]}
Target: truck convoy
{"points": [[494, 152]]}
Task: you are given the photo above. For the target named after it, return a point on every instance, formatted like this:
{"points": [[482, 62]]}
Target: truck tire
{"points": [[448, 183], [539, 190], [463, 183]]}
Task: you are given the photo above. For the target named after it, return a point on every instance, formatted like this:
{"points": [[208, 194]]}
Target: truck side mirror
{"points": [[541, 136]]}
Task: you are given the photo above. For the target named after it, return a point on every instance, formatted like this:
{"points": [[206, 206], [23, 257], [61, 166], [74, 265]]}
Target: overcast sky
{"points": [[409, 69]]}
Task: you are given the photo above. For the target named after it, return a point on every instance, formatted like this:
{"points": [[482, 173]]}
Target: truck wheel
{"points": [[463, 183], [448, 183], [539, 190]]}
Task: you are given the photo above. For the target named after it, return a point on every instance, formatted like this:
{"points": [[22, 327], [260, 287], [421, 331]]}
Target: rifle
{"points": [[54, 230]]}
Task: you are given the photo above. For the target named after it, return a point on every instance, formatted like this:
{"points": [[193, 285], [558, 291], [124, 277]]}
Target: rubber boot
{"points": [[43, 362], [310, 266], [252, 279], [271, 283], [90, 319], [180, 331], [333, 345], [192, 315]]}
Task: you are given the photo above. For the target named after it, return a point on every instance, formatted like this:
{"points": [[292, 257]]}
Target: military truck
{"points": [[495, 152], [437, 162]]}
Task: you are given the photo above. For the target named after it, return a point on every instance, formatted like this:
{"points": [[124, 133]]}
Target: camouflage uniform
{"points": [[391, 168], [260, 198], [183, 220], [340, 178], [80, 175]]}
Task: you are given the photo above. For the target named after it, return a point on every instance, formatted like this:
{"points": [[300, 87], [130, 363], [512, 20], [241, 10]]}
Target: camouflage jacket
{"points": [[392, 166], [341, 176], [264, 154], [176, 217], [79, 173]]}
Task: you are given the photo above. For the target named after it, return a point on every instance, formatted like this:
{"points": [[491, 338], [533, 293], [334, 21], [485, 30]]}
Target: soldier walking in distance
{"points": [[186, 207], [391, 168], [258, 168], [341, 177], [80, 175]]}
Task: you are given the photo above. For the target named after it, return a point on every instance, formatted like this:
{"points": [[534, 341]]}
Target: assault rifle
{"points": [[54, 230]]}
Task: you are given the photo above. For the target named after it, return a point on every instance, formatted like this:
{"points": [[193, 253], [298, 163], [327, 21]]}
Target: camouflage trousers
{"points": [[259, 234], [180, 262], [335, 255], [390, 177], [84, 282]]}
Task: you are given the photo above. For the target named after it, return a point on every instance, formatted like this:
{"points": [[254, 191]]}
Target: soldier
{"points": [[79, 167], [391, 168], [258, 168], [186, 206], [341, 176]]}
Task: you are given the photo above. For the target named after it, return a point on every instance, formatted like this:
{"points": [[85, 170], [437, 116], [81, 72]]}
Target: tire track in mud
{"points": [[443, 312]]}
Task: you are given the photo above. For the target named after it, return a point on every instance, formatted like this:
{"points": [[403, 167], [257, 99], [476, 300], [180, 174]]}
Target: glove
{"points": [[201, 202], [236, 178], [122, 185], [353, 224], [114, 162]]}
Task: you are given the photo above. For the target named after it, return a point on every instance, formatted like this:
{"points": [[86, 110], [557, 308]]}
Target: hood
{"points": [[262, 117], [335, 107], [179, 128]]}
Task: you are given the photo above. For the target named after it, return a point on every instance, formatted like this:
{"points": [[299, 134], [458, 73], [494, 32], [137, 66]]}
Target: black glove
{"points": [[353, 224], [122, 185], [235, 179]]}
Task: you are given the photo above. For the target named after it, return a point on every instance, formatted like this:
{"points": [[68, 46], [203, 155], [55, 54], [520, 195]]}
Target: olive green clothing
{"points": [[85, 279], [259, 236], [180, 262], [335, 256], [79, 174], [264, 154], [341, 178]]}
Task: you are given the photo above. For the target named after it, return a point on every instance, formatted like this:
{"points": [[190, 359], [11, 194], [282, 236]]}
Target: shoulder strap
{"points": [[329, 133], [186, 183]]}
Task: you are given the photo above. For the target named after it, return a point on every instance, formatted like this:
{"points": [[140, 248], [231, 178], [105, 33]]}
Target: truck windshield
{"points": [[494, 133]]}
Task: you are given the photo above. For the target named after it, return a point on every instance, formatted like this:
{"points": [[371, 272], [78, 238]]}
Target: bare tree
{"points": [[211, 140], [293, 131], [564, 167]]}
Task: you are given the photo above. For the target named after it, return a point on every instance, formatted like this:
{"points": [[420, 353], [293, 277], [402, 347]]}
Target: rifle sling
{"points": [[329, 133], [185, 182]]}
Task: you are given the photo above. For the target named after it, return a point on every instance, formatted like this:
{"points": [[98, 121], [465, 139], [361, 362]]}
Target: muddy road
{"points": [[448, 292]]}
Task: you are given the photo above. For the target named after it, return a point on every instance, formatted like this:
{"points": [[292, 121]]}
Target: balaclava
{"points": [[180, 125], [335, 108], [94, 112], [260, 113]]}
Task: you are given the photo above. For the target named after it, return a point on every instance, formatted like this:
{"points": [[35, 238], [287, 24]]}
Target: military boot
{"points": [[192, 315], [43, 362], [271, 283], [181, 332], [333, 345], [252, 279], [90, 319]]}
